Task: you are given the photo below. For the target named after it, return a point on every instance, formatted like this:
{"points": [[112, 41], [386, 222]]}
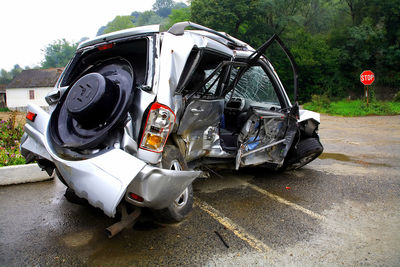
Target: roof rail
{"points": [[179, 28]]}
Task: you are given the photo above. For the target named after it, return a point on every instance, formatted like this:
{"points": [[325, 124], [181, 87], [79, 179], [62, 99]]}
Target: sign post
{"points": [[367, 77]]}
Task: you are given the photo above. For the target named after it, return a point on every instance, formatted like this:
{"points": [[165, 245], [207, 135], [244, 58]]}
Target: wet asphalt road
{"points": [[342, 209]]}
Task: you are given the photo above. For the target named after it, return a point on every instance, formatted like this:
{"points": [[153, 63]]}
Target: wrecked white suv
{"points": [[138, 113]]}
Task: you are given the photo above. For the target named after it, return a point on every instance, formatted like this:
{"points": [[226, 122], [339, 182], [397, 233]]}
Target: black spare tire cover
{"points": [[92, 106]]}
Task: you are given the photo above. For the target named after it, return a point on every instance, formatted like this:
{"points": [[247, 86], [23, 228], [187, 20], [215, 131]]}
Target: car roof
{"points": [[240, 45], [120, 34], [221, 37]]}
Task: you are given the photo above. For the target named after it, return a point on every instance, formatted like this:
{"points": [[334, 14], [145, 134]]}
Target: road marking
{"points": [[233, 227], [286, 202]]}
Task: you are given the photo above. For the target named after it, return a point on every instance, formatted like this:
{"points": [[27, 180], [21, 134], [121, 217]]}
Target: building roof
{"points": [[36, 78]]}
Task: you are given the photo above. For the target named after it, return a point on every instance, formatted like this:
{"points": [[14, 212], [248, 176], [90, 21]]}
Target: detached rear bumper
{"points": [[101, 180], [159, 187], [105, 179]]}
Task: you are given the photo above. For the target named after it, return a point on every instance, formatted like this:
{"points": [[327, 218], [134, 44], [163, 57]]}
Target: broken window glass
{"points": [[255, 86]]}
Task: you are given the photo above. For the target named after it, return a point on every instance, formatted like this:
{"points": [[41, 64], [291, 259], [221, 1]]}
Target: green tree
{"points": [[179, 5], [135, 15], [178, 15], [251, 20], [119, 23], [354, 9], [368, 38], [317, 16], [229, 16], [5, 76], [385, 16], [148, 18], [317, 64], [16, 70], [100, 31], [8, 76], [58, 54], [163, 7]]}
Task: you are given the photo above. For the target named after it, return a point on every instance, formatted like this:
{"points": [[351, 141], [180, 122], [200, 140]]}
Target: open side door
{"points": [[269, 131]]}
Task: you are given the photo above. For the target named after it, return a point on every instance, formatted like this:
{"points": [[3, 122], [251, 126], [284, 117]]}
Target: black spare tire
{"points": [[91, 100], [92, 106]]}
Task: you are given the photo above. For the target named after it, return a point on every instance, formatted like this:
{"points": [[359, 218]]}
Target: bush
{"points": [[396, 97], [372, 95], [10, 134], [319, 103]]}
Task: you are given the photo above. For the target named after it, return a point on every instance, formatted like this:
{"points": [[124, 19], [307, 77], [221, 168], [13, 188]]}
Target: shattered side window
{"points": [[256, 86]]}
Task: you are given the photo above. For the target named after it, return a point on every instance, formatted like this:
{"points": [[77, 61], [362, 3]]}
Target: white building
{"points": [[31, 86]]}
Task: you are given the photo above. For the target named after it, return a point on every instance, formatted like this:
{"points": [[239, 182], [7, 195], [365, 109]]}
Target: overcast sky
{"points": [[27, 26]]}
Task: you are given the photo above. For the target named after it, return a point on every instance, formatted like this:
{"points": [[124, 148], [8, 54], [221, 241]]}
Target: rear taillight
{"points": [[31, 116], [158, 126], [105, 46]]}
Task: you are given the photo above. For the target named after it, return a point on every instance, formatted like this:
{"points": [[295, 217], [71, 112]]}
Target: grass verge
{"points": [[354, 108]]}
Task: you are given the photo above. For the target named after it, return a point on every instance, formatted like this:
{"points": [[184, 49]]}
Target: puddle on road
{"points": [[78, 239], [346, 158], [132, 248]]}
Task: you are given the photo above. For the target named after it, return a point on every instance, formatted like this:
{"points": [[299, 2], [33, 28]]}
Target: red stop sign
{"points": [[367, 77]]}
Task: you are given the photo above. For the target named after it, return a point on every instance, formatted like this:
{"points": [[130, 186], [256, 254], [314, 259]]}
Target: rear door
{"points": [[204, 106], [199, 125]]}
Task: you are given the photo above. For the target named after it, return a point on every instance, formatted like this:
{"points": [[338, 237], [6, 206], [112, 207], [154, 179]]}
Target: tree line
{"points": [[333, 41]]}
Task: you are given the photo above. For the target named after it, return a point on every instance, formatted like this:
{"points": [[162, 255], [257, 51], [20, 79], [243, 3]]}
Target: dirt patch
{"points": [[19, 117]]}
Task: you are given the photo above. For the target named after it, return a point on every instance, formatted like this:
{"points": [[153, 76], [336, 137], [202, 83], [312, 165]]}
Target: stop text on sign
{"points": [[367, 77]]}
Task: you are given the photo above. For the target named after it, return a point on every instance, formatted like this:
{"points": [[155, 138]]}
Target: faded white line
{"points": [[233, 227], [286, 202]]}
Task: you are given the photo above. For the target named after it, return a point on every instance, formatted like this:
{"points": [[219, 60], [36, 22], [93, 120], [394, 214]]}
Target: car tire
{"points": [[172, 159], [306, 151]]}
